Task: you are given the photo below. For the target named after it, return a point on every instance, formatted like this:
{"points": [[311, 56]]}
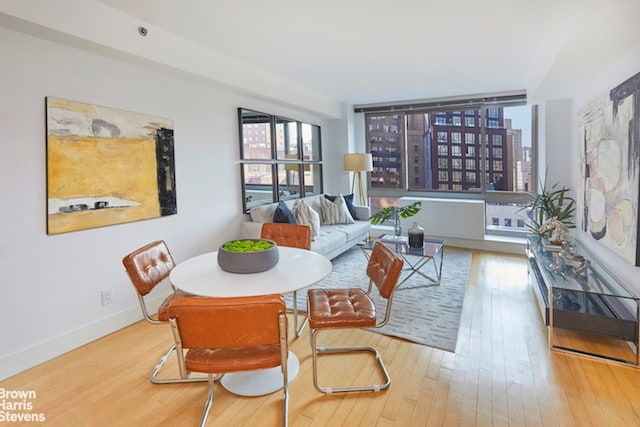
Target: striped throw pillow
{"points": [[303, 214], [335, 212]]}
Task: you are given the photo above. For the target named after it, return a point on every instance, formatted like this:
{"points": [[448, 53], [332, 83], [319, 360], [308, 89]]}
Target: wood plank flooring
{"points": [[502, 374]]}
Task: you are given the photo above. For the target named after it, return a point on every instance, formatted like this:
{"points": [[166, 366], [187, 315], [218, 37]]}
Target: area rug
{"points": [[428, 315]]}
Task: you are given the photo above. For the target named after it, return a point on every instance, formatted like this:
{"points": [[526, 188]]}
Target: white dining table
{"points": [[295, 270]]}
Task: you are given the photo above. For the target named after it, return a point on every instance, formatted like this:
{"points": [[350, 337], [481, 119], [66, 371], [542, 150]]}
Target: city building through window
{"points": [[500, 171]]}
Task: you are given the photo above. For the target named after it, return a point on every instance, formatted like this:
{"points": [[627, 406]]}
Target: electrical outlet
{"points": [[106, 296]]}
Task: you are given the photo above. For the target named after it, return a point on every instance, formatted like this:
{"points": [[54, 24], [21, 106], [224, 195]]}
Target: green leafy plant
{"points": [[247, 245], [389, 212], [549, 203]]}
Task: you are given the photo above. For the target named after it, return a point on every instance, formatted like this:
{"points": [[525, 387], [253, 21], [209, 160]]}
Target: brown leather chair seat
{"points": [[339, 308]]}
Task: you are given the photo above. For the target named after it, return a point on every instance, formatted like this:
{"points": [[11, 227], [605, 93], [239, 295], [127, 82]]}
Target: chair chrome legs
{"points": [[315, 351], [296, 329], [154, 374], [209, 402]]}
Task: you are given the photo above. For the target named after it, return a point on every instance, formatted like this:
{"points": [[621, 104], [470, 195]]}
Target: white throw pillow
{"points": [[335, 212], [303, 214]]}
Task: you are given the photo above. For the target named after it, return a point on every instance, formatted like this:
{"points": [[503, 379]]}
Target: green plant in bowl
{"points": [[247, 245], [248, 255]]}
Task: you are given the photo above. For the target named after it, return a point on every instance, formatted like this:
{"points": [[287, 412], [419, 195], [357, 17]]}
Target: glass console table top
{"points": [[595, 279]]}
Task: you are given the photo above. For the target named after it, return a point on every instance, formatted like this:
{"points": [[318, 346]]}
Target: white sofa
{"points": [[332, 240]]}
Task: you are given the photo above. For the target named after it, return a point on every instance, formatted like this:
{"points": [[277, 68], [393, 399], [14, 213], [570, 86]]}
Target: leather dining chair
{"points": [[227, 335], [354, 308], [293, 235], [147, 267]]}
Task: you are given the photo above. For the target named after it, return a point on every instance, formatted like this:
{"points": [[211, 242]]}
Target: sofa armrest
{"points": [[362, 212]]}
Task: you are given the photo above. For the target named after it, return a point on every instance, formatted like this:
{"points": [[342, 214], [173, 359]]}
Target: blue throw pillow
{"points": [[283, 214], [348, 199]]}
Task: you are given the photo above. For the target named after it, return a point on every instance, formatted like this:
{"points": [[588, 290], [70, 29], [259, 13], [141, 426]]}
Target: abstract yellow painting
{"points": [[106, 166]]}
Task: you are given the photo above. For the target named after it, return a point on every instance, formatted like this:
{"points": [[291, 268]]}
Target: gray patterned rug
{"points": [[428, 315]]}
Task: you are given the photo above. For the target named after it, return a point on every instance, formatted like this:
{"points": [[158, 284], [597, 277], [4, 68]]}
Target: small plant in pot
{"points": [[248, 255], [550, 213], [395, 212]]}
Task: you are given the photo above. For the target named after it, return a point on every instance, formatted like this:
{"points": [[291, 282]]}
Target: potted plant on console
{"points": [[550, 213]]}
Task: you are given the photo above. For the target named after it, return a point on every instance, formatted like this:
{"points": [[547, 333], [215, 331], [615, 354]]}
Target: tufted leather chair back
{"points": [[284, 234], [384, 269], [148, 266], [225, 335], [236, 321]]}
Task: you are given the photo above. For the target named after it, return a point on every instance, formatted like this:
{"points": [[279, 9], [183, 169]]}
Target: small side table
{"points": [[414, 258]]}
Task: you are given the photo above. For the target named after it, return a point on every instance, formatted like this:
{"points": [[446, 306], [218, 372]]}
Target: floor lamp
{"points": [[358, 163]]}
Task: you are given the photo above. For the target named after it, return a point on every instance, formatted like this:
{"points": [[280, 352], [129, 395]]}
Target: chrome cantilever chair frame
{"points": [[382, 258], [219, 354], [147, 267]]}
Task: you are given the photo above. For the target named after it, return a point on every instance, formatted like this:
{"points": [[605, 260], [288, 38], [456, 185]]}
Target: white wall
{"points": [[51, 284]]}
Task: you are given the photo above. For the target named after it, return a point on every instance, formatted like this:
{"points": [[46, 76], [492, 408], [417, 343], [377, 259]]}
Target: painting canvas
{"points": [[609, 129], [106, 166]]}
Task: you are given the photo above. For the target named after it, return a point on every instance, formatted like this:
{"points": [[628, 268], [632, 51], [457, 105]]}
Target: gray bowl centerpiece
{"points": [[248, 255]]}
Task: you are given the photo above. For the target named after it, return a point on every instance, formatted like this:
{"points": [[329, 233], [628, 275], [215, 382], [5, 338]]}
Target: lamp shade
{"points": [[358, 162]]}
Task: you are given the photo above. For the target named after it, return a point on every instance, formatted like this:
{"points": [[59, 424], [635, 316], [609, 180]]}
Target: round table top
{"points": [[296, 269]]}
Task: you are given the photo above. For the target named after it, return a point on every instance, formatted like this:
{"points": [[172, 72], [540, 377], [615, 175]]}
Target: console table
{"points": [[588, 313]]}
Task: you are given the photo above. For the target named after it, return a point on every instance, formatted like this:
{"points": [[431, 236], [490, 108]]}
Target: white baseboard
{"points": [[26, 358]]}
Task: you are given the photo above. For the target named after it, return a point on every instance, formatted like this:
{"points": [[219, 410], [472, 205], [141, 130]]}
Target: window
{"points": [[470, 164], [280, 158], [469, 121], [501, 172], [471, 177]]}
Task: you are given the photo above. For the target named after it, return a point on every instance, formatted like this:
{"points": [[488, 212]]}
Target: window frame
{"points": [[304, 161]]}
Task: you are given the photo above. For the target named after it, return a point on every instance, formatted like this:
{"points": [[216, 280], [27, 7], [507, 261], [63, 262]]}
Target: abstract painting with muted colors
{"points": [[609, 130]]}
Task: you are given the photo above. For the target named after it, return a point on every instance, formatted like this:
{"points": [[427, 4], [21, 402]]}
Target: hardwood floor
{"points": [[502, 374]]}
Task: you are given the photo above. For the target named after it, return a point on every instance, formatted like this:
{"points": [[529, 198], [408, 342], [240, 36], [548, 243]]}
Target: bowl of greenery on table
{"points": [[247, 256]]}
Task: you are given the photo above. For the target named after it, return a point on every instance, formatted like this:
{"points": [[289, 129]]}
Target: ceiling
{"points": [[322, 54], [369, 51]]}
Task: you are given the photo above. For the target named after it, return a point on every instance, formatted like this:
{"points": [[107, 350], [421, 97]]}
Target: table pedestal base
{"points": [[259, 383]]}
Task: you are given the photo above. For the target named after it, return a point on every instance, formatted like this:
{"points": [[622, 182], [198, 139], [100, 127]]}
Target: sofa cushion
{"points": [[335, 212], [352, 231], [283, 214], [328, 240], [303, 214]]}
